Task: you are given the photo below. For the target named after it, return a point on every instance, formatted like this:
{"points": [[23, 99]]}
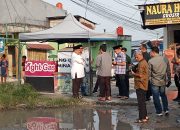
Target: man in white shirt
{"points": [[77, 70]]}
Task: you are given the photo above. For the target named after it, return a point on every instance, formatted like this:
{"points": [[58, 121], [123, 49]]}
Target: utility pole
{"points": [[86, 7], [19, 62], [90, 57]]}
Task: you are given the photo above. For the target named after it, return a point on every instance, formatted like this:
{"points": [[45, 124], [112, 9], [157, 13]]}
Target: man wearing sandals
{"points": [[141, 86], [104, 64]]}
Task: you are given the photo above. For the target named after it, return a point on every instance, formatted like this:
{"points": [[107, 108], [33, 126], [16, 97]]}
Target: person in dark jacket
{"points": [[128, 63]]}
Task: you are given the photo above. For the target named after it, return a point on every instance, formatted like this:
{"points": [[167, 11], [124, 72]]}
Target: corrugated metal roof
{"points": [[40, 46], [34, 12]]}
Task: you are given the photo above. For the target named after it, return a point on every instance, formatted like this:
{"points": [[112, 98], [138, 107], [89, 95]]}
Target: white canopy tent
{"points": [[70, 30]]}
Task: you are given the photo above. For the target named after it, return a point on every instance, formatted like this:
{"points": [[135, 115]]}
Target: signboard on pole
{"points": [[162, 13], [1, 46]]}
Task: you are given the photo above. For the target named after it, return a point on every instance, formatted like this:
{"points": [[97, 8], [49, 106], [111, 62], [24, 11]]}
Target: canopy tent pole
{"points": [[19, 63], [90, 68], [20, 46]]}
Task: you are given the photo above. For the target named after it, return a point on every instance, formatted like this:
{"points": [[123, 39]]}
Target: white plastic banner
{"points": [[64, 62]]}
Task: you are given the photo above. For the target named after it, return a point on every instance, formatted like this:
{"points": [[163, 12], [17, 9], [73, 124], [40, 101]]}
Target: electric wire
{"points": [[125, 4], [111, 15], [15, 10], [99, 7], [22, 3], [9, 13], [108, 17], [34, 19]]}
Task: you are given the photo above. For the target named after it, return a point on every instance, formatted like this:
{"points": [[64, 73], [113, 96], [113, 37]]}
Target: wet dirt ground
{"points": [[98, 118], [104, 116]]}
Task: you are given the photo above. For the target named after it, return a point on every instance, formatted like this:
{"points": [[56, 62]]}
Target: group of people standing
{"points": [[156, 76], [104, 63], [151, 76]]}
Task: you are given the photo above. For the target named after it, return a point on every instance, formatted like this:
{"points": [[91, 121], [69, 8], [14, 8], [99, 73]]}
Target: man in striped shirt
{"points": [[120, 71]]}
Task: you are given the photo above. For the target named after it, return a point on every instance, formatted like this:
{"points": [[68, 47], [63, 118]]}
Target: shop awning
{"points": [[40, 46]]}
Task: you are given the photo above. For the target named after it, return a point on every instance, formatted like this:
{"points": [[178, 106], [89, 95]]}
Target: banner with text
{"points": [[40, 68], [64, 62], [162, 13], [64, 70]]}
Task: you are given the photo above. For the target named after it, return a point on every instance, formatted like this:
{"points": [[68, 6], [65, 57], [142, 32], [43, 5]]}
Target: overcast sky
{"points": [[110, 26]]}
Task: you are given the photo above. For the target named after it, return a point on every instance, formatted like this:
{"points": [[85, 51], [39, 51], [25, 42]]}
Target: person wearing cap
{"points": [[120, 71], [128, 63], [104, 64], [77, 70]]}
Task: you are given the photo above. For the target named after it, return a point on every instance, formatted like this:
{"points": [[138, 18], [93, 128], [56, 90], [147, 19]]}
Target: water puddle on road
{"points": [[62, 119], [68, 119]]}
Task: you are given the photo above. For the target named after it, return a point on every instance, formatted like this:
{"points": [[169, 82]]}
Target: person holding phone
{"points": [[141, 86]]}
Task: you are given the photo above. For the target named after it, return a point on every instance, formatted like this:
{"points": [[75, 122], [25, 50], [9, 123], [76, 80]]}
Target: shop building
{"points": [[166, 15]]}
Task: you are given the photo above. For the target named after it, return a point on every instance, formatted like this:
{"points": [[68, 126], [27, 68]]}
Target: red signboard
{"points": [[40, 68]]}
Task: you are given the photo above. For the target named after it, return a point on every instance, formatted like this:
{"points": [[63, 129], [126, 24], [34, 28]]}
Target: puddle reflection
{"points": [[65, 119]]}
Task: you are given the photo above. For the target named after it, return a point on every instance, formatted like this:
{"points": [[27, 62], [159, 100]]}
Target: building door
{"points": [[12, 61], [177, 36]]}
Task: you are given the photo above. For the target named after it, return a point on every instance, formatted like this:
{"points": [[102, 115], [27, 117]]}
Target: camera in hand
{"points": [[168, 84], [134, 68]]}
